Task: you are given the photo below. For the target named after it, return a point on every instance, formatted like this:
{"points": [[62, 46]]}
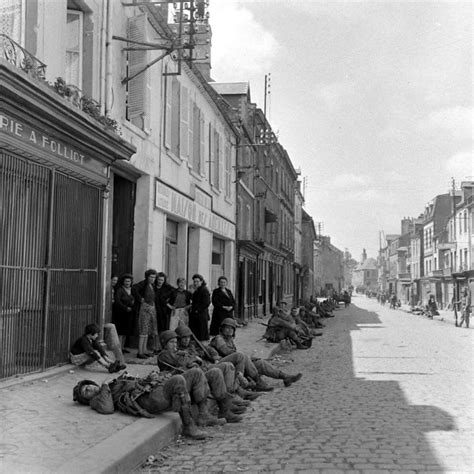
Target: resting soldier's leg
{"points": [[112, 340], [265, 368], [173, 395], [228, 371]]}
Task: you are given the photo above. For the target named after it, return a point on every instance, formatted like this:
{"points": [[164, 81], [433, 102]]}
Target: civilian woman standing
{"points": [[144, 293], [223, 302], [123, 308], [199, 314]]}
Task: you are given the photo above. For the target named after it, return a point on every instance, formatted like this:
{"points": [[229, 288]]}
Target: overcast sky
{"points": [[372, 101]]}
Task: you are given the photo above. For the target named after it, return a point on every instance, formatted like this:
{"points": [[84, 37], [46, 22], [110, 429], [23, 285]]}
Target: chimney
{"points": [[364, 255]]}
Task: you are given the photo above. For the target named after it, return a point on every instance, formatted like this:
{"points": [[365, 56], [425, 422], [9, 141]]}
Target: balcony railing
{"points": [[21, 58]]}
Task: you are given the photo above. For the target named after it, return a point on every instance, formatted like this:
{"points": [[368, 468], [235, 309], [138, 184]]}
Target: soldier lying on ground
{"points": [[148, 396], [193, 353], [282, 325], [170, 360], [254, 368], [87, 349]]}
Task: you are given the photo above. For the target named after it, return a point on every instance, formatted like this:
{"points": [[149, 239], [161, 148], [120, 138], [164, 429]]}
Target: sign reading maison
{"points": [[174, 203]]}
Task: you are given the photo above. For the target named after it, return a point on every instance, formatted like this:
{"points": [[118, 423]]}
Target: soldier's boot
{"points": [[205, 418], [290, 379], [299, 344], [246, 395], [261, 386], [190, 429], [225, 410]]}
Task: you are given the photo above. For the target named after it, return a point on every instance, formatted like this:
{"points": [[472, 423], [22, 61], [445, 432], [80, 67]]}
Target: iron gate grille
{"points": [[49, 264]]}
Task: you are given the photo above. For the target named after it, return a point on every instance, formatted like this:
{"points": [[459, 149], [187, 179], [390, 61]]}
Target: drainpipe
{"points": [[103, 40], [104, 245], [108, 57]]}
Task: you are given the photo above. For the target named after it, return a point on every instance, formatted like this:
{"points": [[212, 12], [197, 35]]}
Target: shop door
{"points": [[49, 264], [123, 226]]}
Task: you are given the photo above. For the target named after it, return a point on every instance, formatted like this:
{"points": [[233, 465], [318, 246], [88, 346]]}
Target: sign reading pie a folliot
{"points": [[38, 139]]}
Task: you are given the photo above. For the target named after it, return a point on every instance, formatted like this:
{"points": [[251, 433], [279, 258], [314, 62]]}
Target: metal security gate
{"points": [[50, 235]]}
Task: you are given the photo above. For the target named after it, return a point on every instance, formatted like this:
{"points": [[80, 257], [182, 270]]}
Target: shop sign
{"points": [[175, 203], [26, 134]]}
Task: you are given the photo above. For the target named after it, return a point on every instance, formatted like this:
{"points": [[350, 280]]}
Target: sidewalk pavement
{"points": [[444, 315], [44, 431]]}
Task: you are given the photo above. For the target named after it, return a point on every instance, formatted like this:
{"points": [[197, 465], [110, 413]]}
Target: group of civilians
{"points": [[152, 305]]}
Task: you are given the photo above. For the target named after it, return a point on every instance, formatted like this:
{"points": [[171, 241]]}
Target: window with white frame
{"points": [[12, 19], [74, 31]]}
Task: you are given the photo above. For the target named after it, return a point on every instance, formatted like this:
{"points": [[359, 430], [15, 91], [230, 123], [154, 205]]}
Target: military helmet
{"points": [[183, 331], [77, 395], [166, 336], [229, 322]]}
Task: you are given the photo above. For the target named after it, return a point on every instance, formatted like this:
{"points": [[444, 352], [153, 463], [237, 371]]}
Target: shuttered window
{"points": [[196, 140], [184, 124], [217, 159], [211, 154], [227, 170], [137, 88]]}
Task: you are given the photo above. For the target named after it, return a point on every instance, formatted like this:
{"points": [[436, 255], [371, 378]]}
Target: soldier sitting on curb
{"points": [[254, 368], [87, 350], [192, 352], [282, 325], [148, 396], [170, 359]]}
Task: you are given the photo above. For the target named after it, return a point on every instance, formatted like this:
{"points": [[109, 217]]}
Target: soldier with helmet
{"points": [[254, 368], [170, 359]]}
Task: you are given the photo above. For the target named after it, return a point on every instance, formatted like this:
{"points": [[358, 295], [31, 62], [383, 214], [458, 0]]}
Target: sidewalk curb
{"points": [[136, 442]]}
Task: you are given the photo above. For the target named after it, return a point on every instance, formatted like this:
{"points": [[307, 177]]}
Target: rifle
{"points": [[172, 367], [203, 348]]}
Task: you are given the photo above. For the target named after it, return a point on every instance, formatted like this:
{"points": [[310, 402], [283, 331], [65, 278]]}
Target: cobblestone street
{"points": [[383, 391]]}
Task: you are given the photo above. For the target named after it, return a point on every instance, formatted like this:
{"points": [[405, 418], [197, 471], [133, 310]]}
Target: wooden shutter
{"points": [[191, 131], [168, 109], [202, 144], [137, 99], [184, 124], [211, 154], [196, 161]]}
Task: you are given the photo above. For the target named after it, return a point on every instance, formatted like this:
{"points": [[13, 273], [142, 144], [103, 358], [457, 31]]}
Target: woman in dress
{"points": [[123, 309], [223, 302], [199, 314], [144, 293]]}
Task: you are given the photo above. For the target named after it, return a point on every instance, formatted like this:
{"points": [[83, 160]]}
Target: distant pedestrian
{"points": [[465, 307], [223, 303], [199, 314]]}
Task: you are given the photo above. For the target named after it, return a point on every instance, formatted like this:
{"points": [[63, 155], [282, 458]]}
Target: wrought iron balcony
{"points": [[21, 58]]}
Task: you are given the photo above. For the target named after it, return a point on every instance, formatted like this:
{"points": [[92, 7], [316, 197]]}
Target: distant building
{"points": [[329, 266]]}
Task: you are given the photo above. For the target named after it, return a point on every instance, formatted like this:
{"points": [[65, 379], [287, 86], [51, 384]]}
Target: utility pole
{"points": [[454, 259]]}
